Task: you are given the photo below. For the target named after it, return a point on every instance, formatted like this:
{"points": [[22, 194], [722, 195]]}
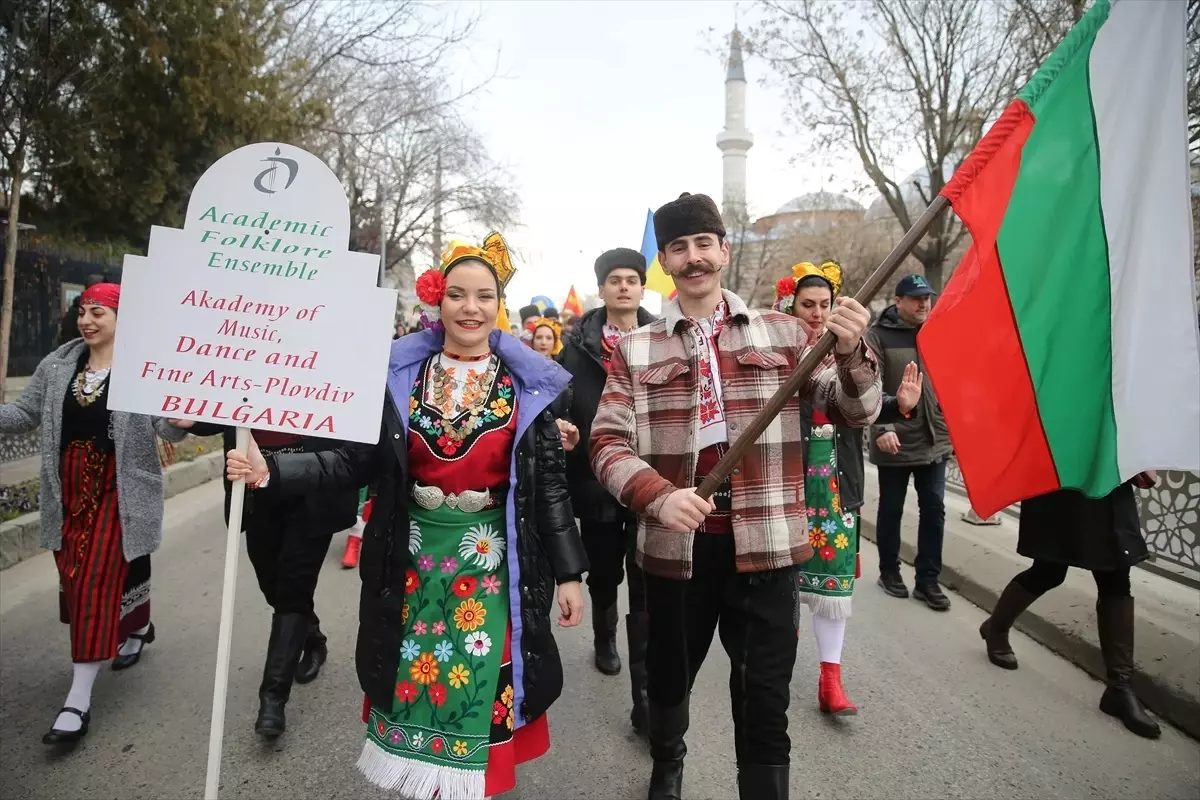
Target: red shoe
{"points": [[830, 694], [350, 557]]}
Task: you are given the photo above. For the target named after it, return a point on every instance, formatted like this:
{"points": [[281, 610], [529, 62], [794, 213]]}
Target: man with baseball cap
{"points": [[916, 447], [609, 529]]}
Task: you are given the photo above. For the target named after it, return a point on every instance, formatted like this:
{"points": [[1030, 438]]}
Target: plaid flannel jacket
{"points": [[643, 437]]}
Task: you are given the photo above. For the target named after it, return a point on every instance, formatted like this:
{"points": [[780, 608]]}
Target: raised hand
{"points": [[909, 392]]}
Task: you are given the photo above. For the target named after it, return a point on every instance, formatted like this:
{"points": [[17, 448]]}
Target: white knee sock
{"points": [[357, 530], [80, 696], [132, 645], [830, 634]]}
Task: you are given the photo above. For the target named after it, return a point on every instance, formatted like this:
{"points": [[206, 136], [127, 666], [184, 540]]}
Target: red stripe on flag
{"points": [[971, 347]]}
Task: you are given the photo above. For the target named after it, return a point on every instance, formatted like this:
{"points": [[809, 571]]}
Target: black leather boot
{"points": [[604, 627], [315, 653], [762, 782], [668, 726], [288, 632], [994, 631], [636, 630], [1114, 617]]}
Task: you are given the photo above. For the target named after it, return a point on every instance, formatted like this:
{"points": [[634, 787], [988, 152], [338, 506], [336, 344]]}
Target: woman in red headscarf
{"points": [[101, 540]]}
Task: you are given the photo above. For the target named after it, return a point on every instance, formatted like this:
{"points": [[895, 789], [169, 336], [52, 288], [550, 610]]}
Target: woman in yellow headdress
{"points": [[547, 336], [455, 650], [833, 487]]}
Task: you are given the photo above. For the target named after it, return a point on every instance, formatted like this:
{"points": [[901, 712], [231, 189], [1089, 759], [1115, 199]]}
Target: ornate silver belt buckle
{"points": [[428, 497], [431, 497], [471, 501], [823, 431]]}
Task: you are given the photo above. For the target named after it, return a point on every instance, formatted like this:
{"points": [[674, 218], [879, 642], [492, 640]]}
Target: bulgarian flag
{"points": [[1064, 350]]}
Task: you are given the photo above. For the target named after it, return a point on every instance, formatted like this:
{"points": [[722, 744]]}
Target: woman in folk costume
{"points": [[102, 538], [833, 487], [471, 528], [547, 336]]}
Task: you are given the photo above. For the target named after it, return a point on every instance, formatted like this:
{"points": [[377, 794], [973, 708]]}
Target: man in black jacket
{"points": [[287, 539], [609, 529]]}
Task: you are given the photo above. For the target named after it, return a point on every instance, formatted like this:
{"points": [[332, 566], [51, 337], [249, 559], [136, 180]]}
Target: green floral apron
{"points": [[827, 579], [436, 734]]}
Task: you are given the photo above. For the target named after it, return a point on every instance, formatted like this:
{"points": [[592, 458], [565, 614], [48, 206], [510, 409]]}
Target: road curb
{"points": [[20, 538], [1172, 697]]}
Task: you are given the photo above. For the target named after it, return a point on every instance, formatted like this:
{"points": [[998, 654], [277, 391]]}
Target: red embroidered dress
{"points": [[451, 726]]}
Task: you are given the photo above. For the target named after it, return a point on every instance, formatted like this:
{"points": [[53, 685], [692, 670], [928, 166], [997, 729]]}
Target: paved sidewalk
{"points": [[978, 561], [21, 470]]}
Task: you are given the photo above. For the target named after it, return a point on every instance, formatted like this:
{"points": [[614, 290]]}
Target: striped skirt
{"points": [[103, 597]]}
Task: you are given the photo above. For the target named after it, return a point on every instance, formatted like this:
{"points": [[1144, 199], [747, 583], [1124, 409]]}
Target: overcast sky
{"points": [[606, 109]]}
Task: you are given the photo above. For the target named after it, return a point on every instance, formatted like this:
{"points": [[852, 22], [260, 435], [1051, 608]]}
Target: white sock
{"points": [[80, 696], [358, 528], [132, 645], [830, 634]]}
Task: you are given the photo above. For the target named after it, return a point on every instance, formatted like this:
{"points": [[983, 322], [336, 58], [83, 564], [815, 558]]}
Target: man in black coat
{"points": [[609, 529]]}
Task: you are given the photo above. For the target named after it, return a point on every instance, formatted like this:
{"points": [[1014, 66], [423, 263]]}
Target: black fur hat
{"points": [[617, 258], [529, 311], [687, 216]]}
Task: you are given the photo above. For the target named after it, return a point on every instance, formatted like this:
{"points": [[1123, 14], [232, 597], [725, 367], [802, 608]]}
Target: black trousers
{"points": [[1046, 575], [756, 617], [611, 548], [287, 555]]}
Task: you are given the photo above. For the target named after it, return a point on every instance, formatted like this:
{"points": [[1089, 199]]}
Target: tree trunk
{"points": [[934, 270], [17, 170]]}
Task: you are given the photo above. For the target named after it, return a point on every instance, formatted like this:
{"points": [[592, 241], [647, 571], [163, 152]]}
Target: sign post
{"points": [[255, 315]]}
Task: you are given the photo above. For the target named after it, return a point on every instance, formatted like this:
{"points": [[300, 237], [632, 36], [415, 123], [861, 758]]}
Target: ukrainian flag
{"points": [[656, 279]]}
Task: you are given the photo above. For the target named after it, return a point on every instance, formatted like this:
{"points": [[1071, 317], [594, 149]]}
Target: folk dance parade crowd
{"points": [[491, 447]]}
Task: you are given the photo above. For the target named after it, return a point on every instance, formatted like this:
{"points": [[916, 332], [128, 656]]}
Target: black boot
{"points": [[1114, 616], [668, 726], [315, 653], [636, 629], [762, 782], [288, 632], [994, 631], [604, 627]]}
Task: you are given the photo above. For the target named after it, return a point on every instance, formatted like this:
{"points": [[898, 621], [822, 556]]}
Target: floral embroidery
{"points": [[506, 696], [827, 553], [404, 614], [409, 649], [425, 562], [406, 691], [437, 695], [499, 712], [424, 670], [841, 542], [848, 519], [455, 421], [414, 537], [469, 615], [418, 741], [459, 675], [482, 544], [828, 526], [412, 581], [394, 737], [816, 537], [449, 564], [460, 748], [439, 627], [704, 334], [491, 584], [443, 650], [479, 644], [824, 470], [465, 586], [436, 745], [419, 628]]}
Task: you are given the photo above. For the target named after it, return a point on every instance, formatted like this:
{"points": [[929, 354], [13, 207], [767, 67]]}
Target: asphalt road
{"points": [[936, 719]]}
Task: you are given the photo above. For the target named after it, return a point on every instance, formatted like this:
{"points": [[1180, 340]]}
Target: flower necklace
{"points": [[89, 385]]}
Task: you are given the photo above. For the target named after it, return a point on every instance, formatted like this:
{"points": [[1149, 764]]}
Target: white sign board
{"points": [[255, 314]]}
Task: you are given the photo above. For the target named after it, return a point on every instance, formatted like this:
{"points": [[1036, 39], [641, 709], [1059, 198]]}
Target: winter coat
{"points": [[582, 356], [1067, 527], [924, 437], [324, 513], [541, 525], [139, 470]]}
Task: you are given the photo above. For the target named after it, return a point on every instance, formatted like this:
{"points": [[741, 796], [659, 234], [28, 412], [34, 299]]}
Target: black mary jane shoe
{"points": [[125, 662], [56, 736]]}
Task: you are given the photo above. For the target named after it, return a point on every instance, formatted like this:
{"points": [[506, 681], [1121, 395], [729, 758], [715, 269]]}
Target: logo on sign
{"points": [[269, 176]]}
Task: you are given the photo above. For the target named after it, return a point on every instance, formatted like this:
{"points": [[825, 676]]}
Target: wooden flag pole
{"points": [[817, 354], [216, 730]]}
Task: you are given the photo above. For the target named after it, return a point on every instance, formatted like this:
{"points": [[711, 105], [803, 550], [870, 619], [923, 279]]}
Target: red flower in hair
{"points": [[786, 286], [431, 286]]}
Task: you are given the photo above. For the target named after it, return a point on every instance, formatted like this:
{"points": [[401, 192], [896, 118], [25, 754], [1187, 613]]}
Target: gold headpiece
{"points": [[831, 271], [494, 253]]}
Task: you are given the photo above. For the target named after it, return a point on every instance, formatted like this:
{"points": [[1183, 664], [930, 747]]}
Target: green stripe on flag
{"points": [[1054, 254]]}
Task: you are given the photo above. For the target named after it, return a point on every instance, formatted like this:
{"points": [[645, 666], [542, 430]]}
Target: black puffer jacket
{"points": [[582, 356], [548, 544]]}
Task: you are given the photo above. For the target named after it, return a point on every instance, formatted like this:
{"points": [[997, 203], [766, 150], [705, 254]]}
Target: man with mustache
{"points": [[679, 391], [609, 530]]}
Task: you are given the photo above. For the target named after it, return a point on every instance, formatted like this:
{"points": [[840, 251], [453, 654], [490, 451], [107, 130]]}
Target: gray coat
{"points": [[139, 471]]}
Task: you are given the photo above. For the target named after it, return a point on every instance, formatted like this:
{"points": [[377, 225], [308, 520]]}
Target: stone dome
{"points": [[879, 210], [819, 201]]}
